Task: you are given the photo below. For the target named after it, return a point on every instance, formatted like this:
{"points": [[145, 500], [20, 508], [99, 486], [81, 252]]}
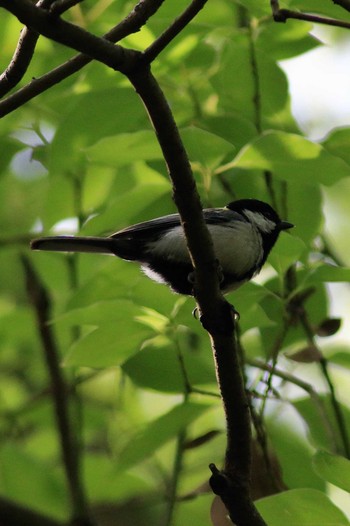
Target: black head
{"points": [[253, 210]]}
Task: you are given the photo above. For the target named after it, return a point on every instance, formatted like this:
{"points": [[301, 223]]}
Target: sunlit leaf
{"points": [[307, 507], [333, 468], [292, 158], [160, 431], [125, 148]]}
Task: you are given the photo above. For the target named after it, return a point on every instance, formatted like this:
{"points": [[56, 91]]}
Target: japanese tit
{"points": [[243, 234]]}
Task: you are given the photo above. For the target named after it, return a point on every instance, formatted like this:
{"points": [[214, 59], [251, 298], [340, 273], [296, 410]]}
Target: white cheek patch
{"points": [[262, 223]]}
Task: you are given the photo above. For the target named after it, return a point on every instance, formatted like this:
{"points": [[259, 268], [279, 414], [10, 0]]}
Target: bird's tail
{"points": [[74, 244]]}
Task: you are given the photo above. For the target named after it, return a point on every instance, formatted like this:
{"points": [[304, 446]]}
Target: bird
{"points": [[243, 234]]}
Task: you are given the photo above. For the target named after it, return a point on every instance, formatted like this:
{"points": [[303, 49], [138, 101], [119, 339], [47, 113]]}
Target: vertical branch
{"points": [[233, 484], [42, 307]]}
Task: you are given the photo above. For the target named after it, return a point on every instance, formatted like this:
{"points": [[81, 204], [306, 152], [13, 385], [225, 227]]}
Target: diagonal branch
{"points": [[131, 24], [70, 35], [22, 56], [173, 30]]}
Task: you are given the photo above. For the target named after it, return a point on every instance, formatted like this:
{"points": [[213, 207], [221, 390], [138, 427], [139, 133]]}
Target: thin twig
{"points": [[173, 30], [324, 368], [282, 15], [277, 345], [305, 386], [42, 306], [180, 447]]}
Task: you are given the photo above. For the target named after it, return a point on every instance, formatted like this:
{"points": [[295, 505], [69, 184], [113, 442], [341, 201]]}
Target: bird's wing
{"points": [[149, 229], [155, 228]]}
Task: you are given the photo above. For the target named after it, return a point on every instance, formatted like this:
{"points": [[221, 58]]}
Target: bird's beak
{"points": [[285, 225]]}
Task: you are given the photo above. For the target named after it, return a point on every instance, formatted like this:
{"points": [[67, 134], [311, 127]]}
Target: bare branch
{"points": [[70, 35], [282, 15], [173, 30], [233, 483], [131, 24]]}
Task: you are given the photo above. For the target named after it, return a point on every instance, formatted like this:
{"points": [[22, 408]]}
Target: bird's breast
{"points": [[238, 247]]}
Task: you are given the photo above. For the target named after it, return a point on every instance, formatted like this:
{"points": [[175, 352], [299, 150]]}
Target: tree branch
{"points": [[42, 307], [40, 20], [22, 56], [131, 24], [282, 15], [233, 484], [173, 30]]}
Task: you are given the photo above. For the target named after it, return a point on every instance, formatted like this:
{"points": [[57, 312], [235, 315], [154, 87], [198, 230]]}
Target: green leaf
{"points": [[100, 313], [321, 421], [256, 7], [104, 483], [205, 148], [292, 448], [157, 366], [119, 212], [32, 483], [119, 334], [333, 468], [302, 507], [8, 148], [235, 84], [234, 128], [340, 357], [92, 116], [283, 41], [157, 433], [287, 251], [337, 143], [125, 148], [328, 274], [292, 158], [306, 214]]}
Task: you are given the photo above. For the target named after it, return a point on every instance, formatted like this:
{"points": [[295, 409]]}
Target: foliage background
{"points": [[83, 158]]}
